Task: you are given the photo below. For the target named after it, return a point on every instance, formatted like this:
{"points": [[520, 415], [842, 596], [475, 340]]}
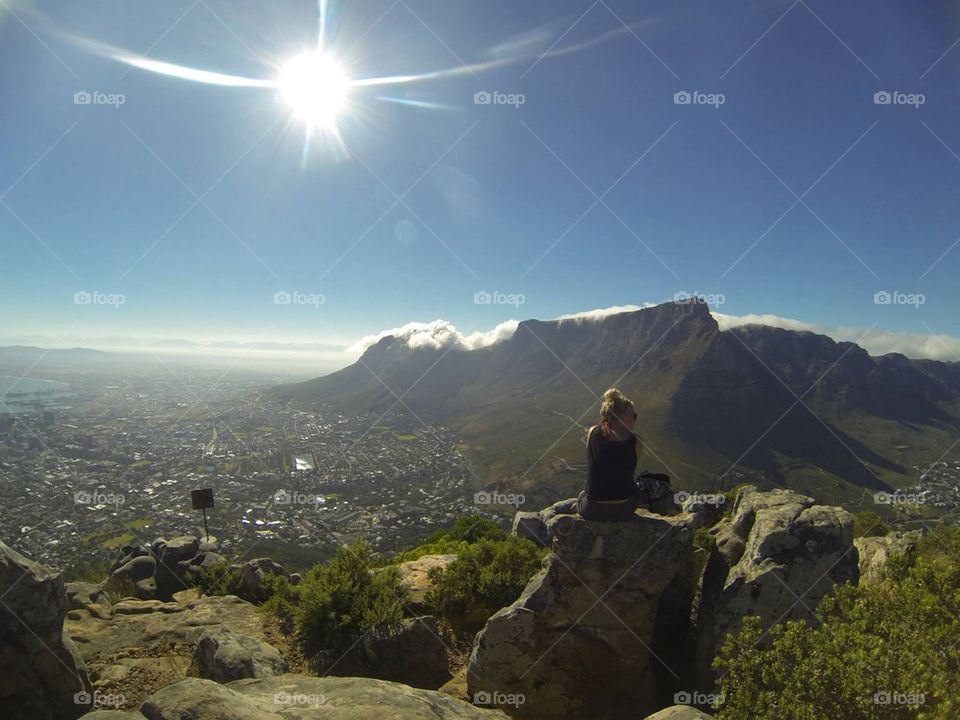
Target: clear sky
{"points": [[784, 186]]}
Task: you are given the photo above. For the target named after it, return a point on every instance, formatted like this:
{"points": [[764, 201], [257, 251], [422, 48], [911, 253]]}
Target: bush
{"points": [[486, 576], [869, 524], [341, 599], [897, 640], [465, 531], [221, 579]]}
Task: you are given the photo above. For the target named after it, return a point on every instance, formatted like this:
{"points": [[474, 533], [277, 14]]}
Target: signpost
{"points": [[203, 499]]}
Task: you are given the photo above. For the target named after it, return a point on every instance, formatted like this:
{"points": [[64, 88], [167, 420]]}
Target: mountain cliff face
{"points": [[793, 407]]}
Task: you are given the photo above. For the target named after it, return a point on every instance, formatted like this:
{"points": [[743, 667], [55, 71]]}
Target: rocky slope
{"points": [[622, 619]]}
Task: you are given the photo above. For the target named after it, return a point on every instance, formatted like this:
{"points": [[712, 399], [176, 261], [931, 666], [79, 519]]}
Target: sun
{"points": [[315, 87]]}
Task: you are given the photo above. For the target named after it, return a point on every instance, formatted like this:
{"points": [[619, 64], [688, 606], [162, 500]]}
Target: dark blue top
{"points": [[611, 465]]}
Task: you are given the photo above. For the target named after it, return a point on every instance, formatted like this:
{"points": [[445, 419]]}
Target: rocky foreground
{"points": [[622, 620]]}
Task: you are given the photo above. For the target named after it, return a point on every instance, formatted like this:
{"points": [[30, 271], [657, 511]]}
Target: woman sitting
{"points": [[612, 451]]}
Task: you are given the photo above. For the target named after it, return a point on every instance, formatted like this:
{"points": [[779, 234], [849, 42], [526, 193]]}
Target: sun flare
{"points": [[316, 89]]}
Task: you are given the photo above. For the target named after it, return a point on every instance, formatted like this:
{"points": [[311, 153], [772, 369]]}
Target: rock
{"points": [[707, 510], [297, 696], [139, 568], [137, 653], [112, 715], [679, 712], [180, 548], [530, 525], [414, 574], [81, 594], [778, 546], [208, 559], [577, 642], [252, 573], [412, 653], [873, 553], [223, 656], [128, 553], [130, 606], [533, 525], [295, 578], [42, 669], [185, 596], [209, 544]]}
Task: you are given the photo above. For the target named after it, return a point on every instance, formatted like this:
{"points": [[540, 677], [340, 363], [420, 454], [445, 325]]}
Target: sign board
{"points": [[202, 499]]}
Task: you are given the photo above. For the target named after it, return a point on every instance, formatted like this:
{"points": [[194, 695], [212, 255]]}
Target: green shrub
{"points": [[900, 636], [341, 599], [702, 538], [221, 579], [486, 576], [465, 531], [869, 524]]}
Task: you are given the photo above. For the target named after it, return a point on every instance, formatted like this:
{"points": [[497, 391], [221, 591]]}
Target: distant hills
{"points": [[774, 406]]}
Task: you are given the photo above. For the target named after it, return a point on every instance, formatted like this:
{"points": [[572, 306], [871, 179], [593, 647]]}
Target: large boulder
{"points": [[874, 552], [776, 556], [293, 697], [679, 712], [254, 572], [415, 575], [144, 645], [224, 656], [173, 563], [579, 640], [43, 675]]}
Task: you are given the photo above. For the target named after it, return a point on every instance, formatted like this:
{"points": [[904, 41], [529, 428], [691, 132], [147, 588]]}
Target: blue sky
{"points": [[494, 197]]}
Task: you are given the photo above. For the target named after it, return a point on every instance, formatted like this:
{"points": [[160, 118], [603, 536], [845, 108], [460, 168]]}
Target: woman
{"points": [[612, 451]]}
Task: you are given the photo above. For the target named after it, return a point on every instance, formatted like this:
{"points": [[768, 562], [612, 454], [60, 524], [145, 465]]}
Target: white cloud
{"points": [[600, 313], [876, 342], [437, 335]]}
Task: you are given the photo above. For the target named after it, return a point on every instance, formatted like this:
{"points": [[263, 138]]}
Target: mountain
{"points": [[774, 406]]}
